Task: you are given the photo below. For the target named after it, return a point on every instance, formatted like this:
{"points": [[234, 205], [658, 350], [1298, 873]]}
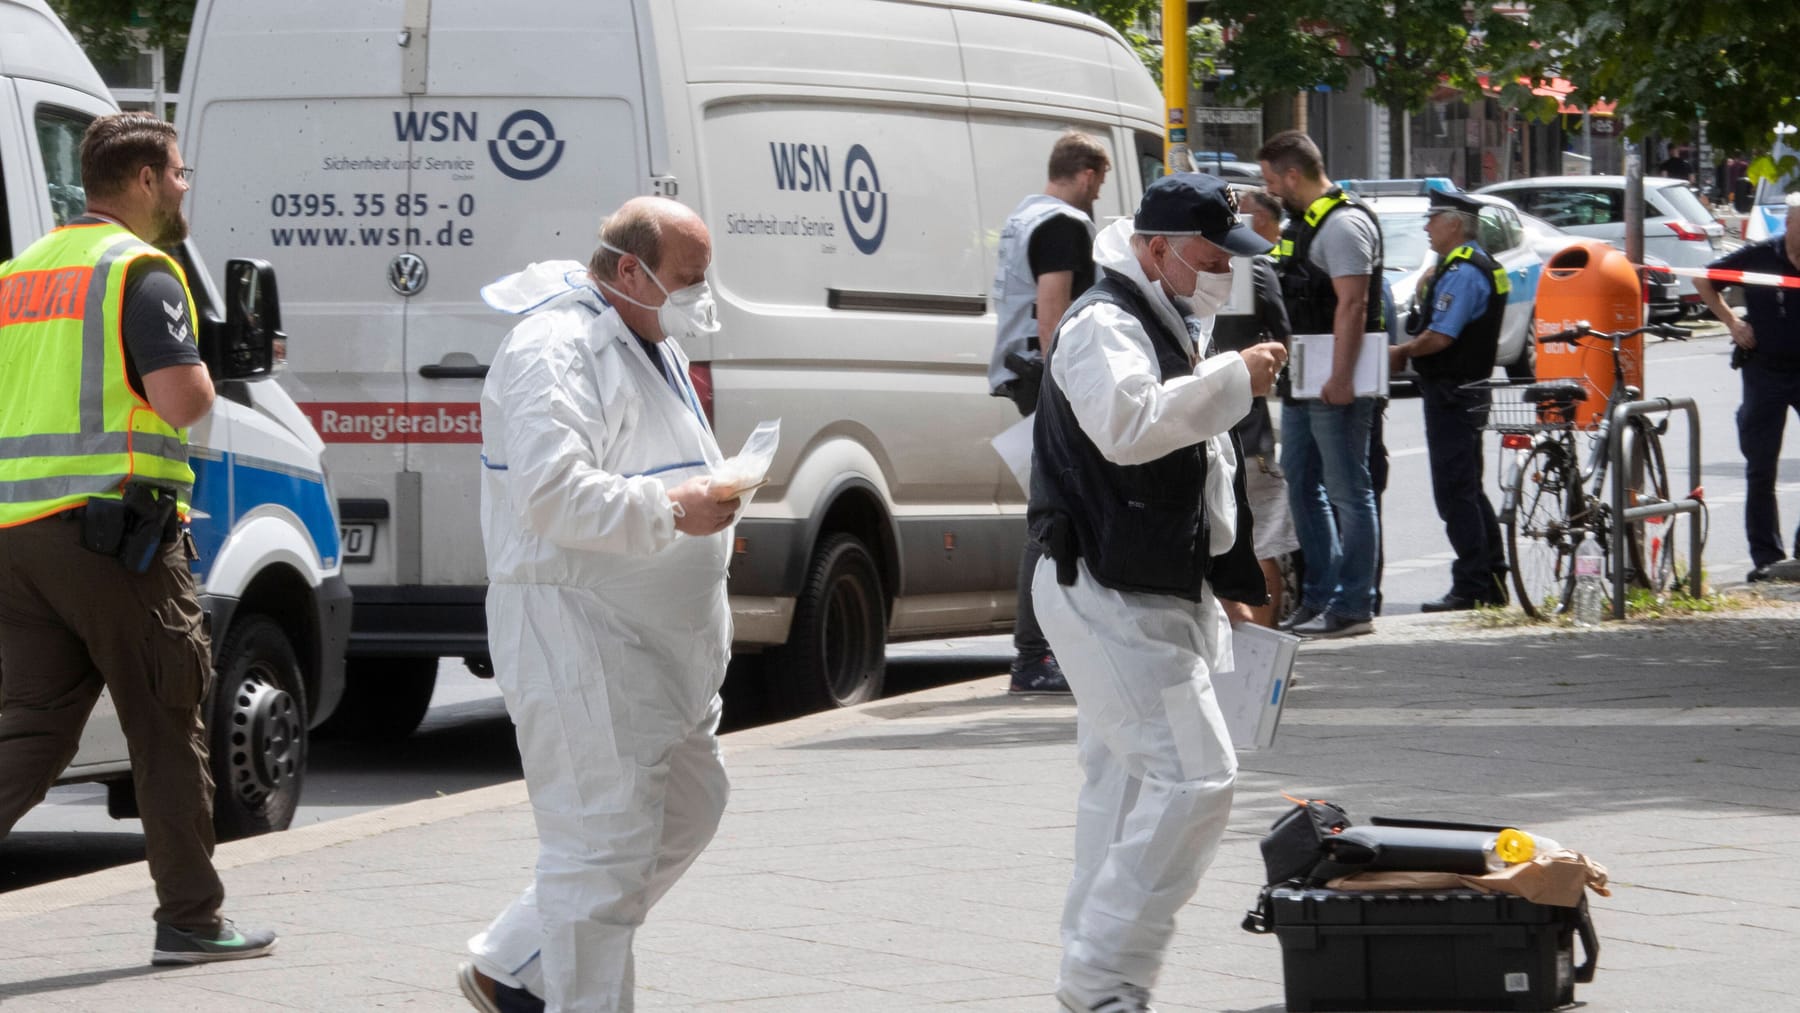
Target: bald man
{"points": [[607, 615]]}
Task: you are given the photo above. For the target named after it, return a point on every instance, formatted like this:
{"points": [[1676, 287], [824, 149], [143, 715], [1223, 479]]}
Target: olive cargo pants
{"points": [[72, 622]]}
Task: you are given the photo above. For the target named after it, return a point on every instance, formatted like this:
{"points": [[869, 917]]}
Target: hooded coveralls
{"points": [[610, 633], [1154, 750]]}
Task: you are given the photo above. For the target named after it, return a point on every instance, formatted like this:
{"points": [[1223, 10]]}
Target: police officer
{"points": [[1331, 281], [1766, 345], [1045, 262], [99, 378], [1456, 333]]}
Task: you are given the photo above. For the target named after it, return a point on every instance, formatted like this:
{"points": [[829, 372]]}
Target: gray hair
{"points": [[1469, 223], [636, 230]]}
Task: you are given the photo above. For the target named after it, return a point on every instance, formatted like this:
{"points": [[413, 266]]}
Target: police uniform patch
{"points": [[1443, 303]]}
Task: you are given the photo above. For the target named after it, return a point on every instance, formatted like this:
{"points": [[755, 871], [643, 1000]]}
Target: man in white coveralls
{"points": [[1137, 502], [607, 613]]}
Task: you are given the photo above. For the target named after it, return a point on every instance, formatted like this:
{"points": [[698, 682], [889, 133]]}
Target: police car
{"points": [[1400, 206]]}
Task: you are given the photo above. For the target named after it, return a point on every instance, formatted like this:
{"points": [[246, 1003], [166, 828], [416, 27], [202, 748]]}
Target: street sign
{"points": [[1245, 116]]}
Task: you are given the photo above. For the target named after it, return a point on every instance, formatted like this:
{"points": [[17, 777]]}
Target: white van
{"points": [[263, 518], [854, 159]]}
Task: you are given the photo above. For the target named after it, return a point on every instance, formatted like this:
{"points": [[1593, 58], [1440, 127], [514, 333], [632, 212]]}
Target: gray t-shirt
{"points": [[154, 321], [1345, 245]]}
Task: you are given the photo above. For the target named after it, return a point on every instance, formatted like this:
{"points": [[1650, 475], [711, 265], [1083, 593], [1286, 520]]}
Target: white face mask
{"points": [[1211, 291], [685, 313]]}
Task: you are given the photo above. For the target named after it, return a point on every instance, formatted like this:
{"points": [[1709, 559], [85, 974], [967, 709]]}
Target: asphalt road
{"points": [[466, 741]]}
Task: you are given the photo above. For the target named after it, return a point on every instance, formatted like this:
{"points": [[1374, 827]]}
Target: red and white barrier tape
{"points": [[1737, 277]]}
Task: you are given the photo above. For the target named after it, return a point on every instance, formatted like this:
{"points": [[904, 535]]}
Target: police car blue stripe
{"points": [[231, 486]]}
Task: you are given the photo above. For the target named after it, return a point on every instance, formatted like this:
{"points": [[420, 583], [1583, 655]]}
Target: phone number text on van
{"points": [[362, 205]]}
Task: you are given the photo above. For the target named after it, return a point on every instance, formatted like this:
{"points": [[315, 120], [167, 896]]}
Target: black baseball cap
{"points": [[1195, 203], [1445, 200]]}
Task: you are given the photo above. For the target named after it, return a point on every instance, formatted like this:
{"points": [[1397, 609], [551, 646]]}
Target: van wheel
{"points": [[258, 731], [384, 699], [836, 654]]}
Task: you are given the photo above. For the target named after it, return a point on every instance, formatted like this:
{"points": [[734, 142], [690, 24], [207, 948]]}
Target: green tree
{"points": [[1671, 63], [1411, 49], [1129, 17], [115, 29]]}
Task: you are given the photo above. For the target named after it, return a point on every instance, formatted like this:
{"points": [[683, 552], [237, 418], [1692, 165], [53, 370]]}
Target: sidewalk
{"points": [[911, 854]]}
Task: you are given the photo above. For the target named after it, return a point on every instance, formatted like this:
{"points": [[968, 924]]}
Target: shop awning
{"points": [[1560, 90]]}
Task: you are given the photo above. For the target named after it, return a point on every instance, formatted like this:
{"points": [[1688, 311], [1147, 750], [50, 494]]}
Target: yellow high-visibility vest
{"points": [[71, 427]]}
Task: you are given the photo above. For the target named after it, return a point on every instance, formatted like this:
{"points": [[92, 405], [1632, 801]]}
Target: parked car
{"points": [[1677, 227], [1235, 171], [1400, 207], [1663, 300]]}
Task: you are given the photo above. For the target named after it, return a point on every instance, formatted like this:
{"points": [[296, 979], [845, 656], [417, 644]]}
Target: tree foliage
{"points": [[116, 29], [1129, 17], [1669, 63], [1412, 48]]}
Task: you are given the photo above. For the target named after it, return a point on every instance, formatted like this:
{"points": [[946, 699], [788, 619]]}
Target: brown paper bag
{"points": [[1556, 878]]}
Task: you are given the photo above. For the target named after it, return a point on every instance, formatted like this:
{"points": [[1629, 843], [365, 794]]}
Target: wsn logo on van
{"points": [[807, 167], [526, 147]]}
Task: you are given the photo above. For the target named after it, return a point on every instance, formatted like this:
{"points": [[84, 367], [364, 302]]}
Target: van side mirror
{"points": [[252, 334]]}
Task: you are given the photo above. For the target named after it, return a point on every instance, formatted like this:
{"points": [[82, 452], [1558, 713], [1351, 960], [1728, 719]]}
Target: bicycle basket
{"points": [[1530, 406]]}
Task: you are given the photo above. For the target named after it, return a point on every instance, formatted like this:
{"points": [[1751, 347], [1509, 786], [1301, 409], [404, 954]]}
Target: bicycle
{"points": [[1551, 502]]}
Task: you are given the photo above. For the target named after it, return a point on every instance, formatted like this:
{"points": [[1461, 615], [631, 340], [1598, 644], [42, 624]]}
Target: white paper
{"points": [[1309, 364], [1252, 693], [1014, 447]]}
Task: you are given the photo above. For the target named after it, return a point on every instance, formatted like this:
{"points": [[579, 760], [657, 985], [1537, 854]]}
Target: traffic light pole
{"points": [[1176, 157]]}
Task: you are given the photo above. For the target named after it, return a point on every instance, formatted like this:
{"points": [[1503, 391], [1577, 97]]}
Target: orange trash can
{"points": [[1589, 280]]}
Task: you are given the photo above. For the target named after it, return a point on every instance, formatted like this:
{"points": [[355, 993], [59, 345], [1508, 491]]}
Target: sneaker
{"points": [[1301, 616], [490, 996], [1122, 998], [181, 946], [1330, 624], [1042, 677]]}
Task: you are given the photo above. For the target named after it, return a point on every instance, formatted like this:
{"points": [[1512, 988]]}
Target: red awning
{"points": [[1560, 90]]}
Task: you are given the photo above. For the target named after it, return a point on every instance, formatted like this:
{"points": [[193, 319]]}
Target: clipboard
{"points": [[1309, 364], [1252, 694]]}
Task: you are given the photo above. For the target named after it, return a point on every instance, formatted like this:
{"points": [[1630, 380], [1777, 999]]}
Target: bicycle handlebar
{"points": [[1582, 330]]}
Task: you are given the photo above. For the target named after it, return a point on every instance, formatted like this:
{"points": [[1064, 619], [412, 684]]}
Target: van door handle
{"points": [[455, 366]]}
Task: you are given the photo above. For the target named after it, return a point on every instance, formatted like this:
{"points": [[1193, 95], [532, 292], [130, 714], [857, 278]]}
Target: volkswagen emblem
{"points": [[406, 274]]}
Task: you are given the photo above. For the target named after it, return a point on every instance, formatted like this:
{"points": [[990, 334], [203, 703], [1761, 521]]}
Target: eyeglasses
{"points": [[186, 172]]}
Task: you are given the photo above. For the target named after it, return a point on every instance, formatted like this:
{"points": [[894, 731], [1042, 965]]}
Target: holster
{"points": [[1061, 546], [131, 529]]}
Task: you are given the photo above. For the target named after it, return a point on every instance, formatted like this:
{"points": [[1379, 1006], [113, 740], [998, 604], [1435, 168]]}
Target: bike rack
{"points": [[1687, 505]]}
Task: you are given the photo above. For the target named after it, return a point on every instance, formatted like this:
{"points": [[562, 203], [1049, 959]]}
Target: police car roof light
{"points": [[1397, 187]]}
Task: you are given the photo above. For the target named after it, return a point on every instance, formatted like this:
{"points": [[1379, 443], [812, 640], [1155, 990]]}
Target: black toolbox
{"points": [[1436, 949]]}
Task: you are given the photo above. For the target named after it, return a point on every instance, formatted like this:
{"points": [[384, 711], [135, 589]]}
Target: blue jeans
{"points": [[1325, 453]]}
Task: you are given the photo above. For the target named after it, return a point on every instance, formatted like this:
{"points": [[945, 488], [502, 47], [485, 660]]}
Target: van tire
{"points": [[384, 699], [257, 730], [836, 653]]}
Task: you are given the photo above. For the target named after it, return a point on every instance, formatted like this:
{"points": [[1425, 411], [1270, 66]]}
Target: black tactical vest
{"points": [[1139, 527], [1311, 301], [1471, 356]]}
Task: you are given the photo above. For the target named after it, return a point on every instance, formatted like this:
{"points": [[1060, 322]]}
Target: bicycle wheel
{"points": [[1651, 542], [1540, 541]]}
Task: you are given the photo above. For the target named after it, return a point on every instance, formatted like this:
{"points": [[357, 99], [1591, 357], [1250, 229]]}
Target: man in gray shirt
{"points": [[1331, 282]]}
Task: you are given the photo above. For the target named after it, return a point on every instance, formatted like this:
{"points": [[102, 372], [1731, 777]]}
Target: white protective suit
{"points": [[1152, 743], [610, 632]]}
